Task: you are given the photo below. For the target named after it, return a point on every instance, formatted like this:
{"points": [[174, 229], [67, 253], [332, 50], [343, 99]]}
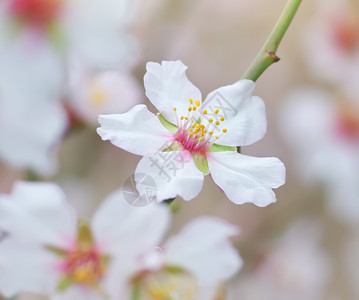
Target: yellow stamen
{"points": [[211, 132], [217, 123], [175, 109], [217, 137], [222, 119], [186, 118], [210, 120], [194, 108], [197, 102], [190, 100], [189, 108], [182, 118], [224, 130], [205, 112], [216, 111]]}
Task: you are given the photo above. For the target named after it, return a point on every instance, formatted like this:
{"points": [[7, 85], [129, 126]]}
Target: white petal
{"points": [[245, 178], [203, 248], [25, 267], [120, 227], [138, 131], [167, 86], [174, 174], [30, 133], [38, 212], [244, 115], [78, 293]]}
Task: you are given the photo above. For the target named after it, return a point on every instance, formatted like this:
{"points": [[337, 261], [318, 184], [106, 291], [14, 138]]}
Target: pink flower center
{"points": [[346, 35], [196, 131], [36, 12], [84, 267]]}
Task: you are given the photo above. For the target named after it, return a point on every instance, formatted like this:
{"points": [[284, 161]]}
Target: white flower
{"points": [[94, 93], [332, 45], [295, 268], [191, 265], [189, 139], [324, 135], [47, 250], [30, 133]]}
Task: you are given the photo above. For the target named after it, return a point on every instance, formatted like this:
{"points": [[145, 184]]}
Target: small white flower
{"points": [[190, 139], [94, 93], [30, 133], [324, 135], [191, 265], [47, 250], [332, 45]]}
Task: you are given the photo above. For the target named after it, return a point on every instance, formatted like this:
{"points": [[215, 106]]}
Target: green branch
{"points": [[267, 55]]}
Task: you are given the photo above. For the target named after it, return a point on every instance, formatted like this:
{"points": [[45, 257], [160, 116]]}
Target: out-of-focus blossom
{"points": [[189, 139], [95, 93], [324, 135], [295, 268], [30, 133], [332, 44], [48, 250], [191, 264]]}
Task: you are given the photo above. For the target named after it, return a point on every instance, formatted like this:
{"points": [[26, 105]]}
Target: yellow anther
{"points": [[192, 121], [210, 120], [205, 111], [202, 134], [217, 123], [224, 130], [194, 108], [217, 137], [222, 119], [191, 134], [194, 125], [197, 102], [175, 109], [216, 111], [200, 139], [204, 131], [211, 132], [190, 100], [190, 130], [182, 118], [186, 118], [190, 108]]}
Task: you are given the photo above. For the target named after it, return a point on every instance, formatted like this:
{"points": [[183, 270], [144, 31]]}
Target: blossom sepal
{"points": [[201, 163], [220, 148], [168, 125]]}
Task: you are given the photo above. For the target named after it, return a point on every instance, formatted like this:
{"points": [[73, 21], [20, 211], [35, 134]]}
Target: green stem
{"points": [[267, 55]]}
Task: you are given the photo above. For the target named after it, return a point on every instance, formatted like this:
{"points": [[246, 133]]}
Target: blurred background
{"points": [[305, 246]]}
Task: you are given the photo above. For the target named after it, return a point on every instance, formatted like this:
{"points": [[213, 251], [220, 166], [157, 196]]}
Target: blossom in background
{"points": [[324, 136], [30, 134], [39, 40], [46, 249], [332, 45], [65, 257], [94, 93], [190, 265], [295, 268], [190, 139]]}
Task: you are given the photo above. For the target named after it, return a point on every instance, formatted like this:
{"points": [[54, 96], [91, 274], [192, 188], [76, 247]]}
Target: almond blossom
{"points": [[190, 138], [94, 93], [332, 44], [323, 133], [191, 265], [47, 249]]}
